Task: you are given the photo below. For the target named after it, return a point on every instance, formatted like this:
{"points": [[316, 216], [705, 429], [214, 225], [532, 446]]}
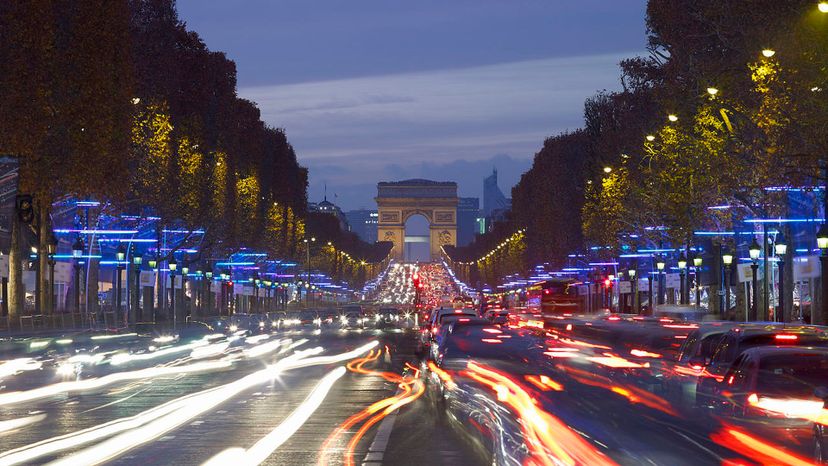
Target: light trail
{"points": [[10, 398], [13, 424], [410, 388], [128, 433], [759, 450], [271, 442], [550, 441], [16, 366]]}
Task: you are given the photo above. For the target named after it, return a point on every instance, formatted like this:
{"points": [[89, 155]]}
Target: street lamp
{"points": [[727, 259], [682, 265], [755, 250], [781, 248], [77, 253], [767, 53], [634, 289], [52, 249], [120, 255], [697, 263], [208, 275], [137, 259], [822, 243], [660, 264], [172, 266], [823, 7], [673, 118]]}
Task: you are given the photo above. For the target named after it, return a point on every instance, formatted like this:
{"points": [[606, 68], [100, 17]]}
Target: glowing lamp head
{"points": [[632, 273], [660, 264], [727, 258], [682, 262], [697, 261], [780, 247], [823, 7], [173, 265], [607, 169], [754, 250], [767, 53], [77, 248], [121, 253], [712, 91], [650, 137], [822, 237], [673, 118]]}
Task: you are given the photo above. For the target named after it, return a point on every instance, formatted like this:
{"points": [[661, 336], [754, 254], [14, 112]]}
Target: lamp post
{"points": [[755, 251], [634, 287], [256, 282], [781, 248], [52, 248], [308, 266], [77, 253], [185, 270], [120, 255], [153, 263], [683, 285], [822, 244], [727, 259], [660, 264], [697, 263], [208, 276], [172, 266], [137, 259]]}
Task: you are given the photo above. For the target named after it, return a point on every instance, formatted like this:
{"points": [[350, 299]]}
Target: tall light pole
{"points": [[208, 276], [755, 251], [172, 266], [683, 279], [781, 248], [634, 287], [822, 244], [153, 263], [727, 259], [185, 270], [120, 255], [697, 263], [137, 259], [308, 266], [660, 264], [50, 292], [77, 253]]}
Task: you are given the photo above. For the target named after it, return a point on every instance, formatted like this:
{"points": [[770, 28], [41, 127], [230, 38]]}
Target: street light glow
{"points": [[767, 53], [823, 7], [607, 169], [672, 117], [712, 91], [650, 137]]}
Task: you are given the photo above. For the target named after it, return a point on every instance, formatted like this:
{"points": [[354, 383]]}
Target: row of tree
{"points": [[116, 100], [729, 102]]}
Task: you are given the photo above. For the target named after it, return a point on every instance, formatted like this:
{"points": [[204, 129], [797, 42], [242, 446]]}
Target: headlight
{"points": [[233, 328], [261, 324]]}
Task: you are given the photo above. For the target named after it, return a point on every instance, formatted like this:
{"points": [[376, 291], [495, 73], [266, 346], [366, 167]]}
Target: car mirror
{"points": [[821, 392]]}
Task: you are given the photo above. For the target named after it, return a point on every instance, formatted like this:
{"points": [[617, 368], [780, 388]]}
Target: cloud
{"points": [[357, 131]]}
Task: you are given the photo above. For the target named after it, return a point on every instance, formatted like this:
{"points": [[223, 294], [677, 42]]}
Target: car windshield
{"points": [[792, 375]]}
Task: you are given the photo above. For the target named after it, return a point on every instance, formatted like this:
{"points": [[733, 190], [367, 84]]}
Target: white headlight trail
{"points": [[127, 433], [271, 442]]}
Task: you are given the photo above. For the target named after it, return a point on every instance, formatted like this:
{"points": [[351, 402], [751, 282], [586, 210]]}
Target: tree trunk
{"points": [[17, 291]]}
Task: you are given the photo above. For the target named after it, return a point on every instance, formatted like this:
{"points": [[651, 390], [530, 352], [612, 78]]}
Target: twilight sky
{"points": [[382, 90]]}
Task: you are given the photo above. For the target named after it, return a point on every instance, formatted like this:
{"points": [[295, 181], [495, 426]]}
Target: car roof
{"points": [[762, 351]]}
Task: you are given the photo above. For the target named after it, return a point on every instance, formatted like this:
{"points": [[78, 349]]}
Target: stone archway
{"points": [[434, 200]]}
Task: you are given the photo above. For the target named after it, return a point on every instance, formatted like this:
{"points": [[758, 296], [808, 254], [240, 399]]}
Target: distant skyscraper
{"points": [[363, 222], [468, 210], [493, 198]]}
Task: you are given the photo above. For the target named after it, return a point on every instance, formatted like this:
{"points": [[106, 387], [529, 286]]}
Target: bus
{"points": [[555, 297]]}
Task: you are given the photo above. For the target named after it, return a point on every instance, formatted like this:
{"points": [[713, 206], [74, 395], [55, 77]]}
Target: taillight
{"points": [[786, 337]]}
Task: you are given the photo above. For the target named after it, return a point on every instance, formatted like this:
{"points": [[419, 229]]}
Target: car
{"points": [[387, 317], [820, 431], [437, 316], [308, 319], [741, 338], [352, 316], [682, 376], [450, 323], [773, 390]]}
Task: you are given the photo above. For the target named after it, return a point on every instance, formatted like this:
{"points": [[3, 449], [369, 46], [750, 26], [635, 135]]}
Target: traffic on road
{"points": [[437, 381]]}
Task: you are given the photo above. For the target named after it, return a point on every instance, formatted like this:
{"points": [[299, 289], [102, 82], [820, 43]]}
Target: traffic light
{"points": [[607, 282], [25, 208]]}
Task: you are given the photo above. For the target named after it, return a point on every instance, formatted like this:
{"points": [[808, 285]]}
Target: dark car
{"points": [[682, 377], [737, 340], [774, 391]]}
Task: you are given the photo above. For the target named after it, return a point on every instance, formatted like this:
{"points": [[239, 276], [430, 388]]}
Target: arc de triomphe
{"points": [[435, 200]]}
